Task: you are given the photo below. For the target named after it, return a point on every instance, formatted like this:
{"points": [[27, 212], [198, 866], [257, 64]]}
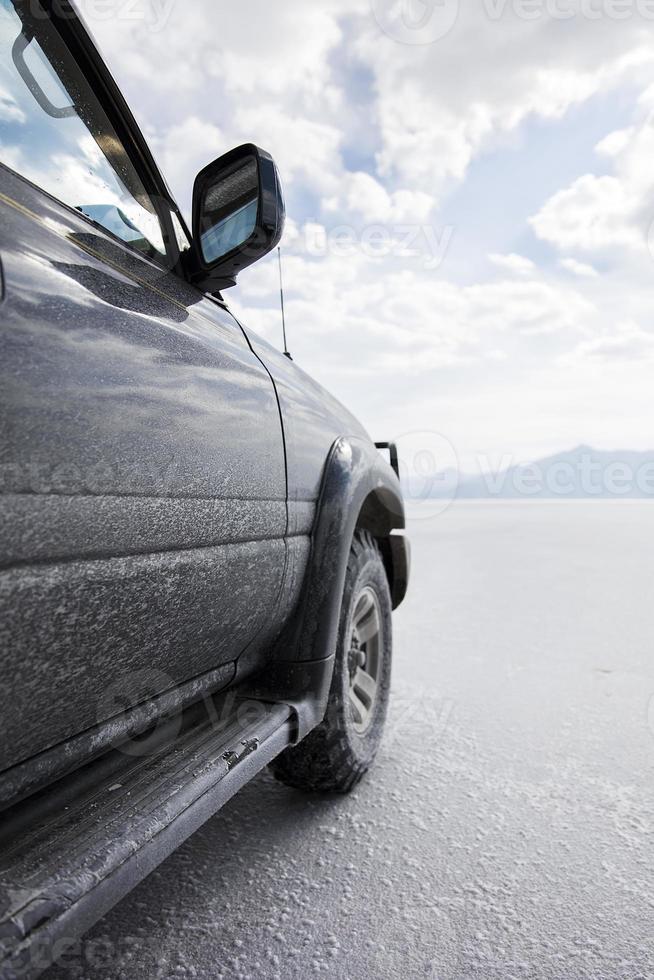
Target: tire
{"points": [[336, 755]]}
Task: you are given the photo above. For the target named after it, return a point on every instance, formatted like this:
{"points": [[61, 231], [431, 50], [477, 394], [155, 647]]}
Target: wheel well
{"points": [[381, 514]]}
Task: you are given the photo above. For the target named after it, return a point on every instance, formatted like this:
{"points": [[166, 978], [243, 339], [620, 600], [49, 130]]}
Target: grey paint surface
{"points": [[74, 635], [119, 378], [142, 477], [313, 420], [506, 832]]}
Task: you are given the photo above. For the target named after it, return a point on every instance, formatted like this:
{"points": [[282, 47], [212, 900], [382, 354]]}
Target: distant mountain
{"points": [[581, 474]]}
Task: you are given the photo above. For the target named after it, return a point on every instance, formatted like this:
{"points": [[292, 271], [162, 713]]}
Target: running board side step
{"points": [[72, 852]]}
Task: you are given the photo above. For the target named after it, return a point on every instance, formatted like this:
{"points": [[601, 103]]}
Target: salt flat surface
{"points": [[508, 829]]}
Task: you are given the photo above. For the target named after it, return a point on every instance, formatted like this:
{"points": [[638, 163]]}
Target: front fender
{"points": [[359, 489]]}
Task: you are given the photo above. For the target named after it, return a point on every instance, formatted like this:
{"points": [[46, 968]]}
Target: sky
{"points": [[469, 252]]}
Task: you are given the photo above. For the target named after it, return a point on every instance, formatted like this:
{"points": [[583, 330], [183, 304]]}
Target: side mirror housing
{"points": [[238, 215]]}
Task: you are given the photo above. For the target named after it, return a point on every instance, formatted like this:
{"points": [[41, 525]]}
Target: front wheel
{"points": [[336, 755]]}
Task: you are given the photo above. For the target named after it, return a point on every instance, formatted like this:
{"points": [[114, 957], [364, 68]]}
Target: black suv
{"points": [[199, 553]]}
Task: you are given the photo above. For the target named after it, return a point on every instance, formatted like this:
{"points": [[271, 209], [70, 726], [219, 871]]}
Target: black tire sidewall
{"points": [[334, 757], [365, 571]]}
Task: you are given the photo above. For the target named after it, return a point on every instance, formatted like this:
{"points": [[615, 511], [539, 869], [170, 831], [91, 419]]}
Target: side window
{"points": [[54, 131]]}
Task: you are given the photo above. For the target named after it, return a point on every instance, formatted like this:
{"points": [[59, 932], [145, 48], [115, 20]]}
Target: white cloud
{"points": [[609, 211], [389, 320], [616, 142], [531, 308], [581, 269], [439, 106], [516, 264], [593, 213], [625, 341], [10, 111], [363, 196]]}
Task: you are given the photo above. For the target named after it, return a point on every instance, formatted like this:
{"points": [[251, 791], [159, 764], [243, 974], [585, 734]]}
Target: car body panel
{"points": [[313, 421], [142, 476]]}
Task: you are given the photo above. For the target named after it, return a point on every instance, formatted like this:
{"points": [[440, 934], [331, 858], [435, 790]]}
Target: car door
{"points": [[142, 475]]}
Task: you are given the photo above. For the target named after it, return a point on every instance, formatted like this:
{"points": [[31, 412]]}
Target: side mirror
{"points": [[238, 215]]}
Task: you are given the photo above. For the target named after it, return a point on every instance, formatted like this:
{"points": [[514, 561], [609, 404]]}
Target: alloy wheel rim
{"points": [[364, 659]]}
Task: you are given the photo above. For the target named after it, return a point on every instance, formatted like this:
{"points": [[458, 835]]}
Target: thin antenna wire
{"points": [[281, 296]]}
